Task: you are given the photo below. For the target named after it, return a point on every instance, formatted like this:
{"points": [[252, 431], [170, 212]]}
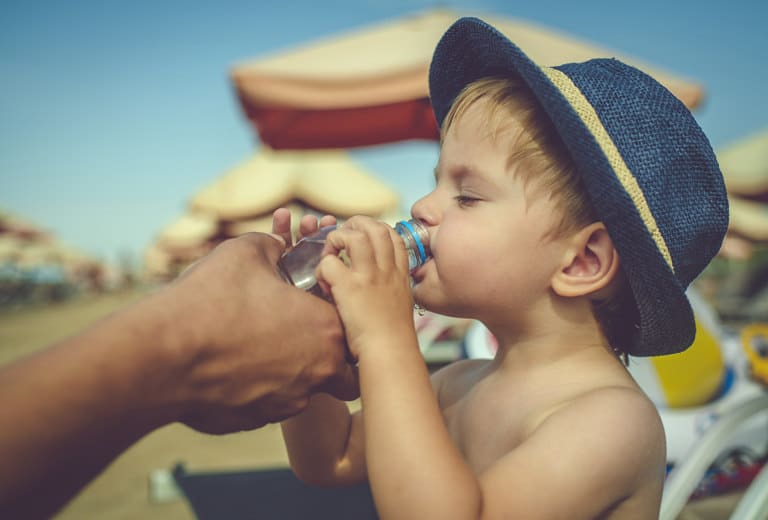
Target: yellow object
{"points": [[328, 180], [754, 341], [692, 377]]}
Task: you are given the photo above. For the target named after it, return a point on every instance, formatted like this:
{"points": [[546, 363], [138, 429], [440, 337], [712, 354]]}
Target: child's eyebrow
{"points": [[462, 171], [458, 173]]}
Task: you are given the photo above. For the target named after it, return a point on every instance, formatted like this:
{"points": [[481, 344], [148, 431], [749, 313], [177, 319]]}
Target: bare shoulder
{"points": [[621, 430], [606, 443], [624, 401], [619, 416]]}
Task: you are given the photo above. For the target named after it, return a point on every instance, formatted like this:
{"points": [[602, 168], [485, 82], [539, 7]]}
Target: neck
{"points": [[556, 330]]}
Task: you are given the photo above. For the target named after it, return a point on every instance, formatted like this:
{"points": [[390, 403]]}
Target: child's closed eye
{"points": [[465, 201]]}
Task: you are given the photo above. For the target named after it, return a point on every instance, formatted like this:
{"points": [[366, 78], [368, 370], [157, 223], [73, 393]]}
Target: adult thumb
{"points": [[269, 245]]}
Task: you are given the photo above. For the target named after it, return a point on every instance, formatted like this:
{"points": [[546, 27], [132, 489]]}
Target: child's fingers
{"points": [[382, 243], [281, 224], [401, 255], [355, 244], [329, 272], [368, 244], [385, 243]]}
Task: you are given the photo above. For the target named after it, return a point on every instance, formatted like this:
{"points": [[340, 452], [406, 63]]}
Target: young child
{"points": [[572, 207]]}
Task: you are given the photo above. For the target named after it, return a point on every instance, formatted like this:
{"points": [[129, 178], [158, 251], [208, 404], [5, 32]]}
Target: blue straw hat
{"points": [[649, 169]]}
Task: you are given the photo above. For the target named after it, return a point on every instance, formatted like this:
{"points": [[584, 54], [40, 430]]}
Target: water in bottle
{"points": [[298, 265]]}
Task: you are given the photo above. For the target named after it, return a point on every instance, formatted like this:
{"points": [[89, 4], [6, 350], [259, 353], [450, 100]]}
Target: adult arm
{"points": [[227, 347]]}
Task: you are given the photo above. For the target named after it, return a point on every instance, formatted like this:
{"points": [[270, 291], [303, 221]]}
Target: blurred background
{"points": [[134, 136]]}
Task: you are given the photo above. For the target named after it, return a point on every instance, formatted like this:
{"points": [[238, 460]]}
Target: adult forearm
{"points": [[228, 346], [71, 409], [414, 468]]}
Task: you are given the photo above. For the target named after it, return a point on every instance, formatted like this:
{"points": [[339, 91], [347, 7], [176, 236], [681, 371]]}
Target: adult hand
{"points": [[228, 346], [256, 346]]}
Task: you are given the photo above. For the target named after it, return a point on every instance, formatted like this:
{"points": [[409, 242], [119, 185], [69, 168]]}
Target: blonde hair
{"points": [[539, 154], [536, 152]]}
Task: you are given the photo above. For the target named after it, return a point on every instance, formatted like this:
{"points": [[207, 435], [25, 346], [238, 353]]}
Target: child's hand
{"points": [[281, 225], [372, 291]]}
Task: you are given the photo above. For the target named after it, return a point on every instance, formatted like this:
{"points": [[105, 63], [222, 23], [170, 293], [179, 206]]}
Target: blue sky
{"points": [[113, 114]]}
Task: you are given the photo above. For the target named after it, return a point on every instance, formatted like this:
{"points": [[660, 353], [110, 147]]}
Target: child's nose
{"points": [[426, 210]]}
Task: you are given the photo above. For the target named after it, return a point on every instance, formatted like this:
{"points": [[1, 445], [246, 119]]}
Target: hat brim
{"points": [[471, 50]]}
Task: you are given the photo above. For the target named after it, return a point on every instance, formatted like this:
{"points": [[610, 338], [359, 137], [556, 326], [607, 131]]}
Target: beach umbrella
{"points": [[40, 253], [157, 261], [184, 240], [29, 252], [11, 248], [327, 180], [748, 218], [369, 86], [13, 224], [263, 223], [189, 230], [164, 260], [745, 165]]}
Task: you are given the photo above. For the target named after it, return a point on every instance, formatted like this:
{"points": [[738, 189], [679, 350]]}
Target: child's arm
{"points": [[325, 443], [413, 466]]}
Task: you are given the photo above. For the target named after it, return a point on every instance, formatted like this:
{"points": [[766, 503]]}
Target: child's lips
{"points": [[418, 274]]}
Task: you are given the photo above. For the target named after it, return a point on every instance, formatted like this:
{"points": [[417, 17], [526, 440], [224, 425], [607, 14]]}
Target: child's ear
{"points": [[590, 263]]}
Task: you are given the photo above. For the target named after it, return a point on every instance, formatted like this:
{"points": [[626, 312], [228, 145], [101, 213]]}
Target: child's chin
{"points": [[419, 292]]}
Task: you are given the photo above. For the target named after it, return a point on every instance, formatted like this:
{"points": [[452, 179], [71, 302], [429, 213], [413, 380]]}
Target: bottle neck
{"points": [[416, 238]]}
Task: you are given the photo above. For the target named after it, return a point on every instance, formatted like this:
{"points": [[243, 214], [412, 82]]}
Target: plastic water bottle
{"points": [[298, 265]]}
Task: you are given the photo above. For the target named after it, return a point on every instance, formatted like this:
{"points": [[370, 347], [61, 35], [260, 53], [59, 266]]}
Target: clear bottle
{"points": [[298, 265]]}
